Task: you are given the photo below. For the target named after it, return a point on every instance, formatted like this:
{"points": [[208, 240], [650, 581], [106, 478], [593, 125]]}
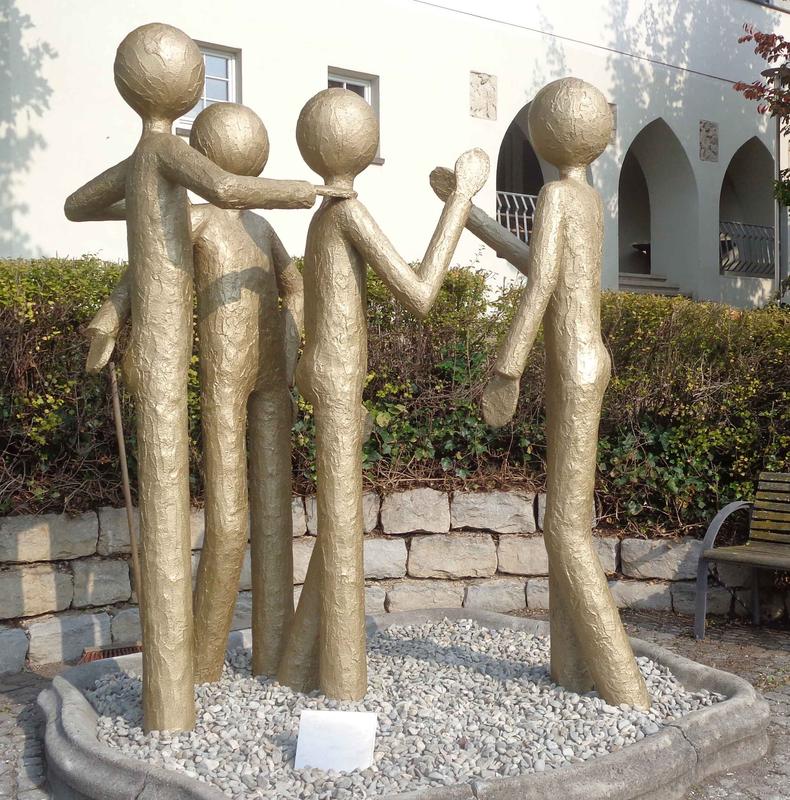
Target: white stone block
{"points": [[126, 628], [27, 591], [538, 593], [48, 537], [502, 512], [375, 597], [412, 595], [303, 549], [420, 509], [641, 594], [733, 575], [13, 649], [452, 555], [497, 594], [522, 555], [385, 558], [608, 550], [298, 517], [684, 597], [99, 582], [660, 558], [64, 638]]}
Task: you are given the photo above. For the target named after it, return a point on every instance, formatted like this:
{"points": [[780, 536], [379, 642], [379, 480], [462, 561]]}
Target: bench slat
{"points": [[770, 505], [778, 516], [771, 525], [780, 496], [764, 554], [782, 539], [780, 477], [769, 486]]}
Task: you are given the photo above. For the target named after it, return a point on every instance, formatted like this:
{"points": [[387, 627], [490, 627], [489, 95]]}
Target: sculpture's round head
{"points": [[233, 137], [159, 71], [337, 134], [570, 123]]}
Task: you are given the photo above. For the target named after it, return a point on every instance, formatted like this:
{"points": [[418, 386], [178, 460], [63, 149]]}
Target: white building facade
{"points": [[686, 181]]}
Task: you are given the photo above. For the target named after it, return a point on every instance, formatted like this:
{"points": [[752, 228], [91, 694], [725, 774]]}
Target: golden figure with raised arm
{"points": [[248, 351], [570, 124], [337, 133], [159, 72]]}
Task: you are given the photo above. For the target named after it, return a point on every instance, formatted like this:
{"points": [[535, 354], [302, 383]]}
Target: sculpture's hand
{"points": [[102, 345], [499, 400], [471, 172], [442, 182], [335, 192]]}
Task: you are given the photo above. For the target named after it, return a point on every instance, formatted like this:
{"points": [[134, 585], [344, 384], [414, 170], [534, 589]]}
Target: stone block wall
{"points": [[65, 581]]}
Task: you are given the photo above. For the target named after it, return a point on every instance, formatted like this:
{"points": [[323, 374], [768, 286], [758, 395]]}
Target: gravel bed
{"points": [[455, 702]]}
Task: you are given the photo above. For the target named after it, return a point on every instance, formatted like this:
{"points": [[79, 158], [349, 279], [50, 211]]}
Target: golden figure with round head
{"points": [[570, 124], [337, 134], [159, 72], [233, 137]]}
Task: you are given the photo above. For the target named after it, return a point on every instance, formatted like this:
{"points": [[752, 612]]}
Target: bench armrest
{"points": [[718, 521]]}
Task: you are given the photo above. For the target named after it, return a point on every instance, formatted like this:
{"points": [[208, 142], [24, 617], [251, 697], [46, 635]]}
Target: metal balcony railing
{"points": [[516, 212], [746, 249]]}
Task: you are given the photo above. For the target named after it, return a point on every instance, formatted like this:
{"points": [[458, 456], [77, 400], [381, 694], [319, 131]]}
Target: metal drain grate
{"points": [[98, 653]]}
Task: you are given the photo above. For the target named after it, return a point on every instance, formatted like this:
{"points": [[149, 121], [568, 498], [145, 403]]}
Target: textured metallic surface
{"points": [[570, 124], [248, 351], [337, 134], [159, 72]]}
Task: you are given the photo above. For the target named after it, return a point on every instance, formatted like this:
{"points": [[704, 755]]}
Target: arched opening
{"points": [[519, 178], [633, 222], [746, 212], [658, 214]]}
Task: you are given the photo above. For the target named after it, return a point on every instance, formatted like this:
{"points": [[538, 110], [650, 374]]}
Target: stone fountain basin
{"points": [[724, 736]]}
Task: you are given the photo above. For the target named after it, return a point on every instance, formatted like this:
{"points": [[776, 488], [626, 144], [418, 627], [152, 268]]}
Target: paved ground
{"points": [[761, 656]]}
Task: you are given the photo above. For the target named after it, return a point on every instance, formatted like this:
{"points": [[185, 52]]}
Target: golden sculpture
{"points": [[159, 73], [248, 353], [570, 124], [337, 134]]}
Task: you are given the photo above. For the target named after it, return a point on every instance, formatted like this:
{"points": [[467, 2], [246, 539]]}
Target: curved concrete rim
{"points": [[663, 766]]}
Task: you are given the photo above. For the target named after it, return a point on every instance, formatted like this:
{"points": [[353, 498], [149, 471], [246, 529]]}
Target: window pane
{"points": [[216, 89], [357, 89], [216, 67], [333, 84]]}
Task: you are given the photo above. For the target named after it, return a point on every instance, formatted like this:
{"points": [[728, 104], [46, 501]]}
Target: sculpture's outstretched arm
{"points": [[106, 324], [488, 230], [416, 289], [501, 392], [95, 200], [184, 165], [291, 289]]}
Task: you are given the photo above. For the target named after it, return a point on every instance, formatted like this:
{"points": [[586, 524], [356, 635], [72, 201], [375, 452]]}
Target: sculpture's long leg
{"points": [[271, 529], [163, 496], [225, 467], [578, 580]]}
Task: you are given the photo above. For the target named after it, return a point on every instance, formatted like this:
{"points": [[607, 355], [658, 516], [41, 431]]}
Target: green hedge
{"points": [[697, 406]]}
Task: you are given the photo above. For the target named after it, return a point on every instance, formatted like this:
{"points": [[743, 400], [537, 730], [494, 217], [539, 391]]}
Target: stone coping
{"points": [[663, 766]]}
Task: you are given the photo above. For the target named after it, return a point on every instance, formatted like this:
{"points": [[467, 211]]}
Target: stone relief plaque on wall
{"points": [[708, 140], [482, 95]]}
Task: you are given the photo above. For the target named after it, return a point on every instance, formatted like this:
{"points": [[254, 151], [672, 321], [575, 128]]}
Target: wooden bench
{"points": [[768, 546]]}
